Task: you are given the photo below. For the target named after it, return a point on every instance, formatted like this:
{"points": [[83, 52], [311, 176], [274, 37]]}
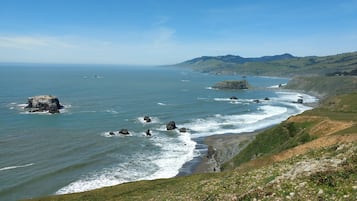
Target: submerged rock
{"points": [[183, 130], [43, 103], [147, 119], [124, 131], [233, 98]]}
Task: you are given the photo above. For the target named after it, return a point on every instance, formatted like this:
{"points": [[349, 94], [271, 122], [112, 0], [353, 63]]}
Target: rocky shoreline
{"points": [[222, 148]]}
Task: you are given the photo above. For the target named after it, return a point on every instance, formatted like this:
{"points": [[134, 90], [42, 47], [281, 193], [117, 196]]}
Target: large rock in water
{"points": [[43, 103], [232, 84], [171, 126]]}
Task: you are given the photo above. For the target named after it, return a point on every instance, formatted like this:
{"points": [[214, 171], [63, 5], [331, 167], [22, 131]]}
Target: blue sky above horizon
{"points": [[156, 32]]}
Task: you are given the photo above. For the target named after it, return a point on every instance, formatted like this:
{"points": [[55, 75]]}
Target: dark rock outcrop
{"points": [[124, 131], [233, 98], [171, 126], [211, 152], [43, 103], [183, 130], [147, 119], [232, 84]]}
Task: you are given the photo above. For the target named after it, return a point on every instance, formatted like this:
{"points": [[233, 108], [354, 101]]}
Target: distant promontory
{"points": [[285, 65]]}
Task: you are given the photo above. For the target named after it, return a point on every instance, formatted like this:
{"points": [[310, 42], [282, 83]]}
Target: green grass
{"points": [[283, 67], [290, 134], [279, 138], [324, 85]]}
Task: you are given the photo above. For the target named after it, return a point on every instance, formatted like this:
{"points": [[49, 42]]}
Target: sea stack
{"points": [[232, 84], [171, 126], [43, 103]]}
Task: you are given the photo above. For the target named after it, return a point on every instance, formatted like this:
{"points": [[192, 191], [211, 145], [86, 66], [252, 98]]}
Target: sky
{"points": [[159, 32]]}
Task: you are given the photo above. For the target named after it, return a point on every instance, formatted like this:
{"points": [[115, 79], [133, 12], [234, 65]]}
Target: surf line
{"points": [[14, 167]]}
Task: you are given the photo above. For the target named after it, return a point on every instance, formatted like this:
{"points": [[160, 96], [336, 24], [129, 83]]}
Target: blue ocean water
{"points": [[43, 154]]}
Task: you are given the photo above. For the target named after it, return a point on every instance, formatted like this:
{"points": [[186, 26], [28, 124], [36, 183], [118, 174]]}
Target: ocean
{"points": [[43, 154]]}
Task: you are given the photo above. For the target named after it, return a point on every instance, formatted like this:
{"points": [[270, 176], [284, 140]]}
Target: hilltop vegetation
{"points": [[279, 65], [323, 86], [311, 156]]}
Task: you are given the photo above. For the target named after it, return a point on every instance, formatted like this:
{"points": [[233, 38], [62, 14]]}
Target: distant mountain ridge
{"points": [[285, 65], [241, 60]]}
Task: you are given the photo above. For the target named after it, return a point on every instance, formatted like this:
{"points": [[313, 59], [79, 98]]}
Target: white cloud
{"points": [[31, 42], [160, 46]]}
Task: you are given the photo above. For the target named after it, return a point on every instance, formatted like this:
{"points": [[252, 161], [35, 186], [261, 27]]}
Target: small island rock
{"points": [[43, 103], [232, 84]]}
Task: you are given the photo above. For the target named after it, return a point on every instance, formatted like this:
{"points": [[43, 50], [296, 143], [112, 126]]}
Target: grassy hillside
{"points": [[312, 156], [324, 85], [274, 66], [336, 115]]}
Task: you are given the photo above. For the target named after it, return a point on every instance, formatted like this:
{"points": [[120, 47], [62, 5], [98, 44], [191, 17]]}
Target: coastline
{"points": [[222, 148]]}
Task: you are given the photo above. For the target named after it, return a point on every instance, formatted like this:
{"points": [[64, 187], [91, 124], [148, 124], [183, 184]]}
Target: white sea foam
{"points": [[221, 124], [174, 153], [264, 116], [276, 86], [23, 105], [37, 113], [242, 101], [16, 166], [224, 99], [211, 88], [21, 108], [293, 96], [116, 134], [112, 111], [162, 104]]}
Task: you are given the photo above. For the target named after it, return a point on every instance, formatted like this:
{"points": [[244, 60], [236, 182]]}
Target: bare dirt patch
{"points": [[315, 144], [328, 127]]}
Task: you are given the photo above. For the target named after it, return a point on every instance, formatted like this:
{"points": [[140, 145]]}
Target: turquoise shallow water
{"points": [[42, 154]]}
